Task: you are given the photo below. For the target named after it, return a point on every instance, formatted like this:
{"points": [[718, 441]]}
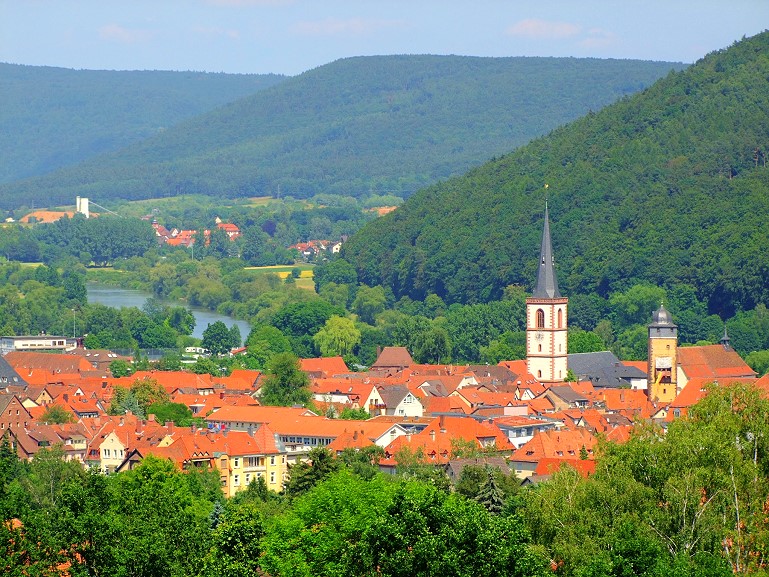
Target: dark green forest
{"points": [[688, 503], [56, 117], [665, 188], [381, 125]]}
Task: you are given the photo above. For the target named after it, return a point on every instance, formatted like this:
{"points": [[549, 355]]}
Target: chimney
{"points": [[194, 429], [250, 430], [221, 395], [170, 426], [432, 434], [442, 424], [65, 396], [151, 417]]}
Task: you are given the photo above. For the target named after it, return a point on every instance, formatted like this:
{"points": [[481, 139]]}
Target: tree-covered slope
{"points": [[388, 124], [55, 117], [668, 187]]}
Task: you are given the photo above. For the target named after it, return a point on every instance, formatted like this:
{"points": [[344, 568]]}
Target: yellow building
{"points": [[663, 362], [245, 457]]}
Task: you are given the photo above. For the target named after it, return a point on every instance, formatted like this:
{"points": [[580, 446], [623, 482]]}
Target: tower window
{"points": [[540, 318], [540, 348], [560, 318], [539, 374]]}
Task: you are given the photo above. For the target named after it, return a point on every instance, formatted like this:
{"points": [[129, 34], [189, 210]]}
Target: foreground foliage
{"points": [[691, 502]]}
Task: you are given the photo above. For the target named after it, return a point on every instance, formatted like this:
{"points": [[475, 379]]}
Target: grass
{"points": [[304, 281]]}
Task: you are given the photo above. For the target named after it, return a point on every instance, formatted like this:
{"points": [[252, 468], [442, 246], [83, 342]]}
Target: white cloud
{"points": [[117, 33], [543, 29], [334, 26]]}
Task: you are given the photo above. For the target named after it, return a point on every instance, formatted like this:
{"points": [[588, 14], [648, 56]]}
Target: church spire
{"points": [[547, 283]]}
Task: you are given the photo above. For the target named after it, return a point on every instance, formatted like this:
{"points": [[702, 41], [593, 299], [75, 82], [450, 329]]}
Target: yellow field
{"points": [[284, 270]]}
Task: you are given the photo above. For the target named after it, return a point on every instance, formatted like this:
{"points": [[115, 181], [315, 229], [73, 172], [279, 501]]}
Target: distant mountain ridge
{"points": [[386, 124], [54, 117], [667, 187]]}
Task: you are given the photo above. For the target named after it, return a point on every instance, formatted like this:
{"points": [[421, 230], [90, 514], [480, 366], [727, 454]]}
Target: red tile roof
{"points": [[324, 366], [713, 361], [564, 443]]}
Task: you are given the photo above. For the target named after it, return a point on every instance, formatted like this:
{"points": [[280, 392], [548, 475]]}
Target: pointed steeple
{"points": [[725, 341], [547, 283]]}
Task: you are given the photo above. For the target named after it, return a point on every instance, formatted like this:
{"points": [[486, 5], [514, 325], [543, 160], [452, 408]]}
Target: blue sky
{"points": [[291, 36]]}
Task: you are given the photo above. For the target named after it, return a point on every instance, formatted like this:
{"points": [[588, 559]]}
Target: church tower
{"points": [[546, 319], [662, 384]]}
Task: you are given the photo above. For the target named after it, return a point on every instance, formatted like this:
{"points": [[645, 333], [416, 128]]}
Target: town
{"points": [[524, 416]]}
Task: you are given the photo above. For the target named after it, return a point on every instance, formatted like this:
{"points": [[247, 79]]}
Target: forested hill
{"points": [[665, 187], [54, 117], [387, 124]]}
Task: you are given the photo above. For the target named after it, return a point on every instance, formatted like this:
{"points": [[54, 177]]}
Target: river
{"points": [[120, 297]]}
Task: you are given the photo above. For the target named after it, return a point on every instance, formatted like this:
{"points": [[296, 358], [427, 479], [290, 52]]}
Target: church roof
{"points": [[547, 283]]}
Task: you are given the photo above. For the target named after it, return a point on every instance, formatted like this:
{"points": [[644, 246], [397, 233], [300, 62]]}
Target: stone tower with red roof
{"points": [[546, 319]]}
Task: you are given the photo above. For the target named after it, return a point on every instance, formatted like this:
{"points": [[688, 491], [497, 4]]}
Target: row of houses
{"points": [[186, 238], [432, 411]]}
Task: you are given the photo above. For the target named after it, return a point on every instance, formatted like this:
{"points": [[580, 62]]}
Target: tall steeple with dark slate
{"points": [[547, 283], [546, 319]]}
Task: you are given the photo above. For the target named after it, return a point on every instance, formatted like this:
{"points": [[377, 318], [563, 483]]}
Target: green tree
{"points": [[262, 343], [120, 368], [338, 337], [304, 475], [217, 338], [235, 337], [369, 302], [490, 495], [354, 414], [585, 342], [167, 411], [57, 415], [758, 361], [236, 545], [434, 347], [285, 383], [337, 271], [304, 318]]}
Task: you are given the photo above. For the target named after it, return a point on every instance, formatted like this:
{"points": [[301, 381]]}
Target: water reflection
{"points": [[120, 297]]}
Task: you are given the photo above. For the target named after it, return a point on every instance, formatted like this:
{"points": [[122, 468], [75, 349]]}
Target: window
{"points": [[236, 480], [248, 478], [539, 374], [560, 318], [237, 462], [272, 477], [272, 460], [540, 318], [540, 348]]}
